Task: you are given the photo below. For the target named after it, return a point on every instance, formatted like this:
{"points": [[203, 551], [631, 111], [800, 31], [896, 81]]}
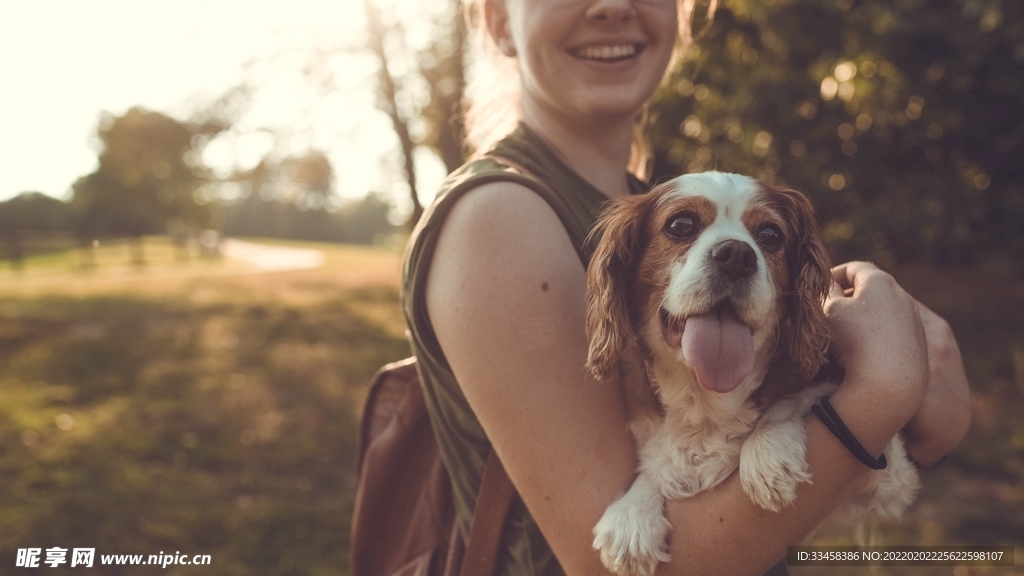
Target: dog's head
{"points": [[708, 270]]}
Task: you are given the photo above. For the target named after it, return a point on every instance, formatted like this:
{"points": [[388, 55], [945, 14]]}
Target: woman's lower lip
{"points": [[608, 60]]}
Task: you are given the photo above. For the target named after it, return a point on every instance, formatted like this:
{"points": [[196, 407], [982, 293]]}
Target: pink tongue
{"points": [[719, 348]]}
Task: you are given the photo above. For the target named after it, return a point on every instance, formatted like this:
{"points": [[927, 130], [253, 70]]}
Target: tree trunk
{"points": [[386, 102]]}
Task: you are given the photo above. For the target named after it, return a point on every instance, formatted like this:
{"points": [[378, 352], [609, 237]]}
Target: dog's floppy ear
{"points": [[609, 279], [809, 281]]}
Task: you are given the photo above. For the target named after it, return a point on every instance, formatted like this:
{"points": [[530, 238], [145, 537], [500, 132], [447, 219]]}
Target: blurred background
{"points": [[202, 208]]}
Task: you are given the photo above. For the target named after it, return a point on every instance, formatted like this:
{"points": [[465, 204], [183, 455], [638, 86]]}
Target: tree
{"points": [[294, 198], [150, 171], [364, 221], [29, 212], [437, 82], [387, 101], [902, 120], [443, 69], [307, 180]]}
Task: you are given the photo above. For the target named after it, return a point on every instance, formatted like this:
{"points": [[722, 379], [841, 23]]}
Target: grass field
{"points": [[189, 406], [200, 407]]}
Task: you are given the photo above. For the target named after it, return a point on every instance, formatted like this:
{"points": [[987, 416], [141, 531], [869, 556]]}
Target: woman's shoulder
{"points": [[482, 219], [505, 212], [487, 192]]}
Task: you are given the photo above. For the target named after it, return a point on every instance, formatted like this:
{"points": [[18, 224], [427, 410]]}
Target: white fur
{"points": [[689, 288], [704, 436]]}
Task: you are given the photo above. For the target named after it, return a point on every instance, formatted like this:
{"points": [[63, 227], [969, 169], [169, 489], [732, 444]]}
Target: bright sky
{"points": [[63, 62]]}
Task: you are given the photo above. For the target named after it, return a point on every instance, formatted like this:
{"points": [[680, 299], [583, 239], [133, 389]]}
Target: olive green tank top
{"points": [[462, 443]]}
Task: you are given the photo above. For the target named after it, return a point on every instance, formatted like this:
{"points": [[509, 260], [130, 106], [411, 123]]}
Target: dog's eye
{"points": [[770, 236], [681, 225]]}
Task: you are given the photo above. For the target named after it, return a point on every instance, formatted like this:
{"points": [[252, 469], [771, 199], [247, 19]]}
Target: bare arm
{"points": [[506, 299], [944, 417]]}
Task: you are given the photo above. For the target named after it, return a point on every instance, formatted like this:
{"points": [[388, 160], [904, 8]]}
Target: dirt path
{"points": [[239, 259], [272, 258]]}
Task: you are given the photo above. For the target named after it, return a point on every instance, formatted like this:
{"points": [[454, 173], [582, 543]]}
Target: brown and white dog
{"points": [[719, 281]]}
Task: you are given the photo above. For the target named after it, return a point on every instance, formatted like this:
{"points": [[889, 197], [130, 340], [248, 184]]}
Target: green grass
{"points": [[203, 407], [214, 414]]}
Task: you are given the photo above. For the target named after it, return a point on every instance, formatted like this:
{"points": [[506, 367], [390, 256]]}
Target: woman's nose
{"points": [[610, 10]]}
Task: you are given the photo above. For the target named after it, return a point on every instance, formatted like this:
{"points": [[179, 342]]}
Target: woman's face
{"points": [[591, 59]]}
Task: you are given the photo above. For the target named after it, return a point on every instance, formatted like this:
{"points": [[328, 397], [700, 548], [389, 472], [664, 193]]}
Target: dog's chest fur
{"points": [[694, 443]]}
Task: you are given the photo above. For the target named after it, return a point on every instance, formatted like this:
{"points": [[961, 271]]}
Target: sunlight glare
{"points": [[110, 55]]}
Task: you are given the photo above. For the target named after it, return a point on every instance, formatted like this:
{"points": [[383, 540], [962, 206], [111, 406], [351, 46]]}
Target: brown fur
{"points": [[630, 271], [809, 279]]}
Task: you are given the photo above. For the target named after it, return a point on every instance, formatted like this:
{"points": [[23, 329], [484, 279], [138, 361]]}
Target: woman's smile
{"points": [[591, 60], [607, 53]]}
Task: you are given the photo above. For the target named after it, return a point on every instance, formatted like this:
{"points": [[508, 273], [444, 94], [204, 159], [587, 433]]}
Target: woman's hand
{"points": [[944, 417], [878, 337]]}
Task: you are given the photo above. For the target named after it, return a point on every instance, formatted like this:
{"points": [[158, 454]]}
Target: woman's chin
{"points": [[610, 106], [604, 99]]}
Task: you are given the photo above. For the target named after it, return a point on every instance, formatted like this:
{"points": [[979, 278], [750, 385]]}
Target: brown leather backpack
{"points": [[404, 518]]}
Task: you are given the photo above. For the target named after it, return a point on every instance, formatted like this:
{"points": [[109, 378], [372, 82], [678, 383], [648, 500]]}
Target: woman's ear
{"points": [[810, 278], [496, 17], [609, 281]]}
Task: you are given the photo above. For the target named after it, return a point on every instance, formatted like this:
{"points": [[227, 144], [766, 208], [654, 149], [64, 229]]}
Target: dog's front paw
{"points": [[897, 484], [631, 536], [772, 463]]}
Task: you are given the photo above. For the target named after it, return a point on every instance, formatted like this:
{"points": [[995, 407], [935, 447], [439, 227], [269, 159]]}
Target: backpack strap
{"points": [[492, 504], [423, 509]]}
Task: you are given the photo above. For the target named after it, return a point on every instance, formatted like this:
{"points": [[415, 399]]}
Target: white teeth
{"points": [[606, 52]]}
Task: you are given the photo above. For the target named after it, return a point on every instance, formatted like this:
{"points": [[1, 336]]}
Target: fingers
{"points": [[943, 352], [928, 316], [840, 275], [863, 280], [848, 279], [835, 291], [850, 274], [944, 416]]}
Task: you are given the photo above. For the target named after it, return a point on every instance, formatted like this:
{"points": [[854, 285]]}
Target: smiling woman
{"points": [[493, 294], [493, 104]]}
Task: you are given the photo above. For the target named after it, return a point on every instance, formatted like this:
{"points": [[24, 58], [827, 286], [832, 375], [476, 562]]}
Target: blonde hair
{"points": [[491, 106]]}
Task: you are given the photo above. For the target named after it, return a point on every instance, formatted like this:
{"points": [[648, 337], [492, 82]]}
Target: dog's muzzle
{"points": [[735, 259]]}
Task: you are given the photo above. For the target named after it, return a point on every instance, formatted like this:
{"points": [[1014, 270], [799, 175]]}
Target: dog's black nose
{"points": [[735, 258]]}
